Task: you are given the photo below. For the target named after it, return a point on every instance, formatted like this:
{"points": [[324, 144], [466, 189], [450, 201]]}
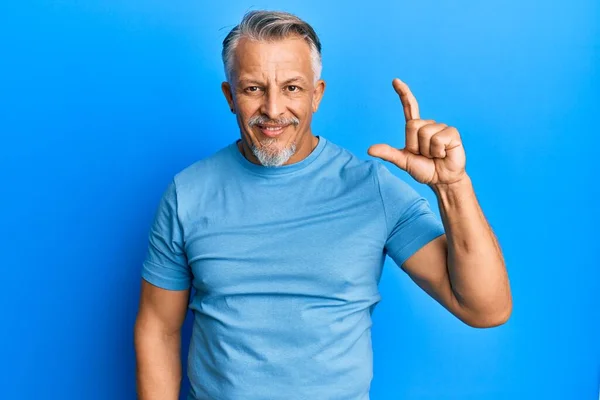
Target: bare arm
{"points": [[464, 270], [157, 338]]}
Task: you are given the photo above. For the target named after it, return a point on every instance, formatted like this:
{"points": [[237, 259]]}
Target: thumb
{"points": [[390, 154]]}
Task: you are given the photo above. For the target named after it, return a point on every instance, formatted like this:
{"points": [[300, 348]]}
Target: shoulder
{"points": [[209, 167], [201, 181], [372, 171], [383, 176], [349, 163]]}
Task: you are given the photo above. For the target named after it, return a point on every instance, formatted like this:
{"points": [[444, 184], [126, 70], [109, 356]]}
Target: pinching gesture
{"points": [[433, 152]]}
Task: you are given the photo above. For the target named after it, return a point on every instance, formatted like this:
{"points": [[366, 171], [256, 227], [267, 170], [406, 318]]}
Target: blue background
{"points": [[101, 102]]}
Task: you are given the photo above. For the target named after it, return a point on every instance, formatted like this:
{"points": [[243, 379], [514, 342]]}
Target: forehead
{"points": [[267, 58]]}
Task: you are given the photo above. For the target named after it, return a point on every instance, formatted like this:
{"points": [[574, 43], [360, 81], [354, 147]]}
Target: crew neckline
{"points": [[282, 170]]}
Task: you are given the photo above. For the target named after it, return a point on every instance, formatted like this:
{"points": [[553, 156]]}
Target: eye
{"points": [[293, 88], [253, 89]]}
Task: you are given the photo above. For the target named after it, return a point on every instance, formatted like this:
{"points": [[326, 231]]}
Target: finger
{"points": [[409, 102], [383, 151], [443, 141], [425, 133], [412, 128], [391, 154]]}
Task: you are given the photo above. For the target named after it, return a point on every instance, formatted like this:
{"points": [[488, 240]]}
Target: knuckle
{"points": [[427, 130], [411, 124]]}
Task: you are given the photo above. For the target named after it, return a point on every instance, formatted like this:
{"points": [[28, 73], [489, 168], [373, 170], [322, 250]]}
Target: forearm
{"points": [[158, 364], [476, 268]]}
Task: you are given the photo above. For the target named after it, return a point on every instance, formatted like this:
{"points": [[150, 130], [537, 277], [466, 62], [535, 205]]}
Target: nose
{"points": [[273, 105]]}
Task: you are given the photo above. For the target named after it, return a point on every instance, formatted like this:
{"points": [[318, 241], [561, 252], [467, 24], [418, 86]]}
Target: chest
{"points": [[310, 244]]}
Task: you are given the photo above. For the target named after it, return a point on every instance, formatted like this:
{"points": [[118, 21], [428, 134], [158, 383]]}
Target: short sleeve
{"points": [[411, 223], [166, 263]]}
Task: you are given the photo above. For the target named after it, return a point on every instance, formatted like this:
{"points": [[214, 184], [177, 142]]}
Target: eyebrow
{"points": [[294, 79], [249, 81], [286, 82]]}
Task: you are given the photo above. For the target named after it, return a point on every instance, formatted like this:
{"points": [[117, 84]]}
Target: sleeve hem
{"points": [[415, 244], [164, 283]]}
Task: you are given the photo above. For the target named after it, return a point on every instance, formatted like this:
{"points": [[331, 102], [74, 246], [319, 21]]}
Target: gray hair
{"points": [[271, 25]]}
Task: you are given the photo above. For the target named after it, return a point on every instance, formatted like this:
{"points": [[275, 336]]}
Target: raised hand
{"points": [[433, 152]]}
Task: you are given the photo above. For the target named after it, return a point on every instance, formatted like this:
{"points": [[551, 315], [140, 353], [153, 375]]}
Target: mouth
{"points": [[272, 130]]}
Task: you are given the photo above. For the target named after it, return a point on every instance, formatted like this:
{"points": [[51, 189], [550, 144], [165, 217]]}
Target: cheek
{"points": [[247, 104], [245, 112], [302, 110]]}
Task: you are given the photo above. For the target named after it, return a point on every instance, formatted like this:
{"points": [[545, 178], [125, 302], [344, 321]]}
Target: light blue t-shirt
{"points": [[285, 263]]}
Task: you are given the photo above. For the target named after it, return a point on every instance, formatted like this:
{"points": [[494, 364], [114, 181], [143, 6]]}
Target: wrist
{"points": [[460, 185]]}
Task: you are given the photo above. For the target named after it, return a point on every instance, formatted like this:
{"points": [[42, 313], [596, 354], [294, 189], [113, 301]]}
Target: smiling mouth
{"points": [[272, 130]]}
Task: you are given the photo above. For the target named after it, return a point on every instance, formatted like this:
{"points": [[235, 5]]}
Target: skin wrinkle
{"points": [[271, 85]]}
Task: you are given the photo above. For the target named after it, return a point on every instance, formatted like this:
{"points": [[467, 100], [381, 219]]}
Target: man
{"points": [[283, 235]]}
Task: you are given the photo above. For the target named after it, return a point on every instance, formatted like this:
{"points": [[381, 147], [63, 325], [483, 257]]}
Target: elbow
{"points": [[490, 320]]}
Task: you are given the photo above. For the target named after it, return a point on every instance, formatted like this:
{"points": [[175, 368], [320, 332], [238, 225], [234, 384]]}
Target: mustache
{"points": [[264, 120]]}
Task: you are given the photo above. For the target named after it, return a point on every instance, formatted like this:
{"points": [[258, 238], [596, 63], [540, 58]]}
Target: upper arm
{"points": [[161, 309], [428, 268], [165, 271], [166, 263], [416, 240]]}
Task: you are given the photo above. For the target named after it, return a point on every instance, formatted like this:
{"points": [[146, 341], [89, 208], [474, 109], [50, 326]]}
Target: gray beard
{"points": [[270, 158]]}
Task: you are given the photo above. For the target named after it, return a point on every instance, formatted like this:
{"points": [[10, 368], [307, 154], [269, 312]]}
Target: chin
{"points": [[273, 157]]}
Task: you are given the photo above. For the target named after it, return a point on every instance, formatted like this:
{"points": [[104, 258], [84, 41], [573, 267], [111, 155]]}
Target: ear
{"points": [[226, 88], [318, 94]]}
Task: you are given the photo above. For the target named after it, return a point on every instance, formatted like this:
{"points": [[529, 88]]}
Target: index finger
{"points": [[409, 102]]}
